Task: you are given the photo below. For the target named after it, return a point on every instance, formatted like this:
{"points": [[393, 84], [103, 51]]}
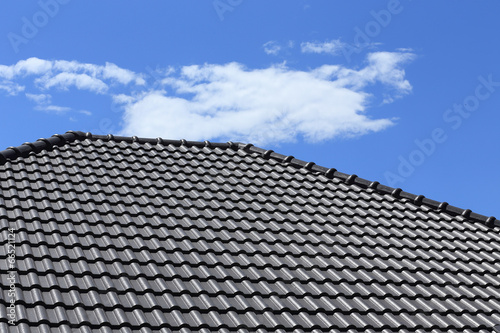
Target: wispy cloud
{"points": [[66, 74], [62, 75], [332, 47], [11, 88], [66, 80], [274, 48], [40, 98], [53, 108], [44, 103], [86, 112], [271, 47]]}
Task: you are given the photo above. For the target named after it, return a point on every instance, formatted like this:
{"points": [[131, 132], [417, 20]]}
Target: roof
{"points": [[127, 234]]}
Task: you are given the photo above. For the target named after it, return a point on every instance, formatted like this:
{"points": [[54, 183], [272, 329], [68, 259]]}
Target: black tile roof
{"points": [[120, 234]]}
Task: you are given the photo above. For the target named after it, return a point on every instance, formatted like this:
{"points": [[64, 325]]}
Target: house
{"points": [[128, 234]]}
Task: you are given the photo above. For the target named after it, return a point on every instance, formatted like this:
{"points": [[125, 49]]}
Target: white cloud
{"points": [[275, 104], [31, 66], [274, 48], [39, 98], [44, 103], [52, 108], [386, 68], [66, 80], [42, 76], [11, 88], [124, 76], [86, 112], [404, 49], [271, 47], [64, 74], [123, 99], [332, 47], [226, 101]]}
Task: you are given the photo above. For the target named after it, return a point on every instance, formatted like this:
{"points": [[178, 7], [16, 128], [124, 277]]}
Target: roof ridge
{"points": [[159, 140], [12, 153]]}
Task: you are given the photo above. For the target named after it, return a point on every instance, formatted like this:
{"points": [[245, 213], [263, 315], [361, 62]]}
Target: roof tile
{"points": [[146, 235]]}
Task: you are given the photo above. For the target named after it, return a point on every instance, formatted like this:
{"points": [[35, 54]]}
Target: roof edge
{"points": [[397, 193], [12, 153]]}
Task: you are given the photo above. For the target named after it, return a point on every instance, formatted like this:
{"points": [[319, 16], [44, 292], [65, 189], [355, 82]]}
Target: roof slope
{"points": [[118, 234]]}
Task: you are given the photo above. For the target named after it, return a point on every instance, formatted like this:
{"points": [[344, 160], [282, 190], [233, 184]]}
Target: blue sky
{"points": [[403, 92]]}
